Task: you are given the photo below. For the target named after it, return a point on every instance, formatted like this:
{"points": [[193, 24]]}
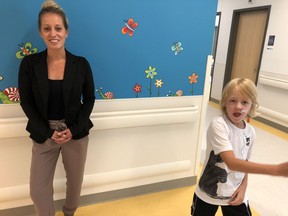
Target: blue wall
{"points": [[118, 60]]}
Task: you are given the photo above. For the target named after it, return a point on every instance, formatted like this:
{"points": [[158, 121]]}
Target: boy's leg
{"points": [[201, 208], [240, 210]]}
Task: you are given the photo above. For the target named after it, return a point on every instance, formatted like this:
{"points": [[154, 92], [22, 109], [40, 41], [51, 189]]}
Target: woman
{"points": [[57, 95]]}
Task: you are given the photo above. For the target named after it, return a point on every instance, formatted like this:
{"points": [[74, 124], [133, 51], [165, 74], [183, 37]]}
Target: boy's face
{"points": [[237, 108]]}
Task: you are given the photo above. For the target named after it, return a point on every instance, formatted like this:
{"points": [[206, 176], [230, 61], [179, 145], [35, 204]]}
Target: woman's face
{"points": [[52, 31], [237, 108]]}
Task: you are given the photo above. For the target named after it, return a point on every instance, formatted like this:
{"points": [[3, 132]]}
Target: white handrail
{"points": [[274, 82]]}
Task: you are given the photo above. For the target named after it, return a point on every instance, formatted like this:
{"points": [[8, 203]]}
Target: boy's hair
{"points": [[50, 6], [246, 88]]}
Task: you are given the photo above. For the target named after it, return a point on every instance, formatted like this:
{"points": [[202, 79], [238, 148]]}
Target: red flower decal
{"points": [[137, 88]]}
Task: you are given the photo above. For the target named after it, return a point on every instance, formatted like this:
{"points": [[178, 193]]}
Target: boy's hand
{"points": [[283, 169], [239, 195]]}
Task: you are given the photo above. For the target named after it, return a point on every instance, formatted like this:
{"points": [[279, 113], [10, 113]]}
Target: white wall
{"points": [[128, 147], [273, 76], [134, 142]]}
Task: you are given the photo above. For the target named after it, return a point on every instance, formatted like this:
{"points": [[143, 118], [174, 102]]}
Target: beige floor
{"points": [[175, 202], [267, 194]]}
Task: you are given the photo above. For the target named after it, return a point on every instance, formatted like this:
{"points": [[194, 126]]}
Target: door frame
{"points": [[232, 41], [214, 48]]}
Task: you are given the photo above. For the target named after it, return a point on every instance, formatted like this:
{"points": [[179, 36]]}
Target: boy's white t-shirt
{"points": [[217, 182]]}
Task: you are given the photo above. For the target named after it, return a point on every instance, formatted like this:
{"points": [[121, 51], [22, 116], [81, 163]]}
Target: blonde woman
{"points": [[57, 95]]}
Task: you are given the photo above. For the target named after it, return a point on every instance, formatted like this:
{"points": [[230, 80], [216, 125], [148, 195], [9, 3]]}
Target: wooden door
{"points": [[246, 44]]}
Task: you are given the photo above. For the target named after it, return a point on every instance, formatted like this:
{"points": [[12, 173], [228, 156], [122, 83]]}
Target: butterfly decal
{"points": [[177, 47], [25, 49], [129, 27]]}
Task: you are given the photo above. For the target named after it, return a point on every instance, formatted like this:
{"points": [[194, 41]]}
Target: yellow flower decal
{"points": [[158, 83]]}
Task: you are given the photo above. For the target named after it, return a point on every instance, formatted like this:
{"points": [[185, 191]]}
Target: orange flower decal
{"points": [[193, 78]]}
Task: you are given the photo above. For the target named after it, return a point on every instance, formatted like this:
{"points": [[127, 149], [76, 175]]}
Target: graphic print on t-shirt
{"points": [[247, 140], [212, 175]]}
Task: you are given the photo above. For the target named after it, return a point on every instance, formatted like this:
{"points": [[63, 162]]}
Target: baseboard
{"points": [[272, 124], [109, 196], [214, 100]]}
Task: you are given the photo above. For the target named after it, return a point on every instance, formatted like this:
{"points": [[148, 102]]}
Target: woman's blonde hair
{"points": [[244, 87], [51, 6]]}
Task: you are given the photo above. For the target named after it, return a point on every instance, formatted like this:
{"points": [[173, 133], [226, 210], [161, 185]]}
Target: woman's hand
{"points": [[62, 137]]}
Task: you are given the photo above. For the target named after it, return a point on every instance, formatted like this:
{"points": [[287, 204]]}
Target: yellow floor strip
{"points": [[269, 129], [174, 202]]}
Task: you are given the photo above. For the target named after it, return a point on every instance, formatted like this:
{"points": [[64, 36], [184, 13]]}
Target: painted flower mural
{"points": [[158, 85], [151, 72], [155, 87], [192, 80], [137, 89]]}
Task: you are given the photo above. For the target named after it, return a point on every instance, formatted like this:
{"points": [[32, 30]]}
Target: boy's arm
{"points": [[239, 165], [239, 195]]}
